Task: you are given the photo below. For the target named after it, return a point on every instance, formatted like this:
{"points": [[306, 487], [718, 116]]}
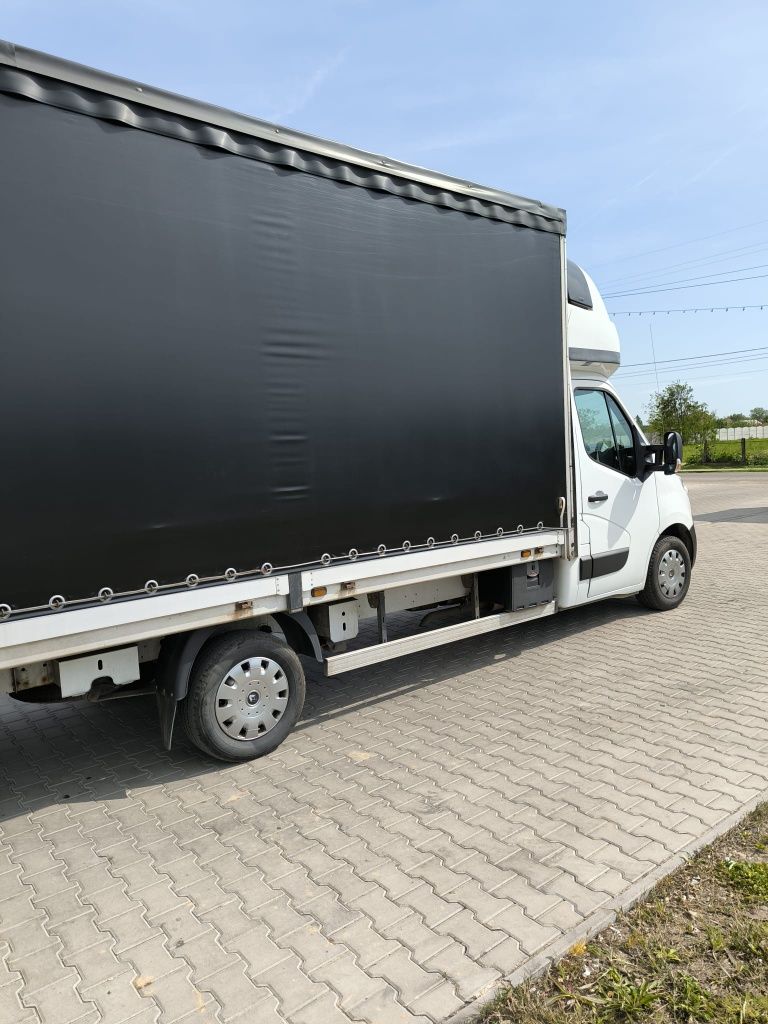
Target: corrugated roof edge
{"points": [[220, 128]]}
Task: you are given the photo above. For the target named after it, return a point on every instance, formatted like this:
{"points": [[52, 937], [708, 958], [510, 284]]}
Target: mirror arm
{"points": [[654, 458], [646, 453]]}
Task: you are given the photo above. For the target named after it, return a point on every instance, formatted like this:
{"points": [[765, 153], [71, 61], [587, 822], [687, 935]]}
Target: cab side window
{"points": [[625, 442], [606, 431]]}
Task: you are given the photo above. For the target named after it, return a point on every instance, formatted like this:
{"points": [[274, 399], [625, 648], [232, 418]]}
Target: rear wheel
{"points": [[245, 695], [669, 575]]}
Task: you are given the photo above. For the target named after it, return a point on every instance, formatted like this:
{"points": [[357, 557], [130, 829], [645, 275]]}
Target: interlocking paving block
{"points": [[257, 950], [127, 930], [386, 1008], [238, 997], [290, 984], [26, 938], [469, 977], [406, 847], [204, 953], [365, 942], [414, 934], [11, 1009], [476, 937], [348, 980], [95, 964], [60, 1001], [325, 1010], [175, 994], [434, 909]]}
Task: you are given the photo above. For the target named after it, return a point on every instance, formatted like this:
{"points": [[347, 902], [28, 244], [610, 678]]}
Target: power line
{"points": [[674, 371], [680, 245], [719, 257], [701, 277], [736, 307], [694, 379], [653, 350], [707, 355], [687, 367], [682, 287]]}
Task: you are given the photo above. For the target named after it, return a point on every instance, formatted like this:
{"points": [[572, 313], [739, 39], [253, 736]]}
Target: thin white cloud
{"points": [[703, 171], [309, 88], [629, 190], [491, 131]]}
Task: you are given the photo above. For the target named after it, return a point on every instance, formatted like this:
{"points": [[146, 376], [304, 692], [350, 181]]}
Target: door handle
{"points": [[598, 496]]}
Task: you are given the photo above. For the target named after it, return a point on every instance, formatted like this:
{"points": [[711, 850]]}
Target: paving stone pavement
{"points": [[432, 824]]}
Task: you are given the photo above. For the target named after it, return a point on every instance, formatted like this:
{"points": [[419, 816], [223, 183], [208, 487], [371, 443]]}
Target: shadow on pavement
{"points": [[83, 752], [734, 515], [330, 698]]}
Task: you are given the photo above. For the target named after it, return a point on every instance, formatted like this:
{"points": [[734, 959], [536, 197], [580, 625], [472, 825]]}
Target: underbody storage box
{"points": [[519, 586]]}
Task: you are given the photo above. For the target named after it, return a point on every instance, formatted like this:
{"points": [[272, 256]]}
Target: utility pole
{"points": [[653, 351]]}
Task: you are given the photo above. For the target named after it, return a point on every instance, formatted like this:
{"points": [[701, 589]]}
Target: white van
{"points": [[263, 391]]}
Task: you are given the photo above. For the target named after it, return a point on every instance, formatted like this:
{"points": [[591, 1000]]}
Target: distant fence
{"points": [[724, 434], [741, 451], [737, 433]]}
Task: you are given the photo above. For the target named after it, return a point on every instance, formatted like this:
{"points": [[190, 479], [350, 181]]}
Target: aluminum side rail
{"points": [[338, 663], [67, 633]]}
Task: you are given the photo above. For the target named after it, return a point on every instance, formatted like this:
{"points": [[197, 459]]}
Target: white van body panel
{"points": [[593, 341], [621, 529], [674, 503], [634, 513]]}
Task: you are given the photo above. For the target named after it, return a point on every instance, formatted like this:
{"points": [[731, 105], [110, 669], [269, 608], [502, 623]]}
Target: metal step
{"points": [[338, 663]]}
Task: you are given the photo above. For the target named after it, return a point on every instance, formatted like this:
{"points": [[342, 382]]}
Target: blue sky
{"points": [[647, 121]]}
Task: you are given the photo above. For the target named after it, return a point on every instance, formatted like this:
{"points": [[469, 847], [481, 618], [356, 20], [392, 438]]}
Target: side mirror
{"points": [[673, 452], [647, 458]]}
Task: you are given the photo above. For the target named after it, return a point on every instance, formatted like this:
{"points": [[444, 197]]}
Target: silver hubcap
{"points": [[252, 698], [671, 573]]}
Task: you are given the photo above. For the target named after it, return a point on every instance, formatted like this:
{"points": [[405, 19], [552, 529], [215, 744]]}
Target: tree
{"points": [[760, 414], [674, 408]]}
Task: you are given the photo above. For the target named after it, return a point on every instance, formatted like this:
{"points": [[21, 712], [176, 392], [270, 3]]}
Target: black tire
{"points": [[663, 590], [217, 663]]}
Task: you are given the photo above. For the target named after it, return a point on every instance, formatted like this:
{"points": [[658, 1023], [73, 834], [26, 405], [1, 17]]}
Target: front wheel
{"points": [[669, 575], [245, 695]]}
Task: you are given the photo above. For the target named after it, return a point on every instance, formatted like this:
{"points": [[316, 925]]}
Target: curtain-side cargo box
{"points": [[228, 346]]}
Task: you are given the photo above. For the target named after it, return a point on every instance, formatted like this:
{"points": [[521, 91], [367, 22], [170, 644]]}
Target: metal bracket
{"points": [[562, 508], [381, 613], [295, 593], [475, 592]]}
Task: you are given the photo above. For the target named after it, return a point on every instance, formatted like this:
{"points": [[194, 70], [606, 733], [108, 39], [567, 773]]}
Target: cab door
{"points": [[620, 511]]}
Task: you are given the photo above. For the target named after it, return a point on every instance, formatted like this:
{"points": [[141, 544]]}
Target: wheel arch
{"points": [[686, 535], [180, 651]]}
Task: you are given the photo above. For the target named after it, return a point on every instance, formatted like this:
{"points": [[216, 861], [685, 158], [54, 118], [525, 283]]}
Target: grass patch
{"points": [[724, 469], [688, 1000], [749, 877], [728, 453], [695, 951], [750, 940]]}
